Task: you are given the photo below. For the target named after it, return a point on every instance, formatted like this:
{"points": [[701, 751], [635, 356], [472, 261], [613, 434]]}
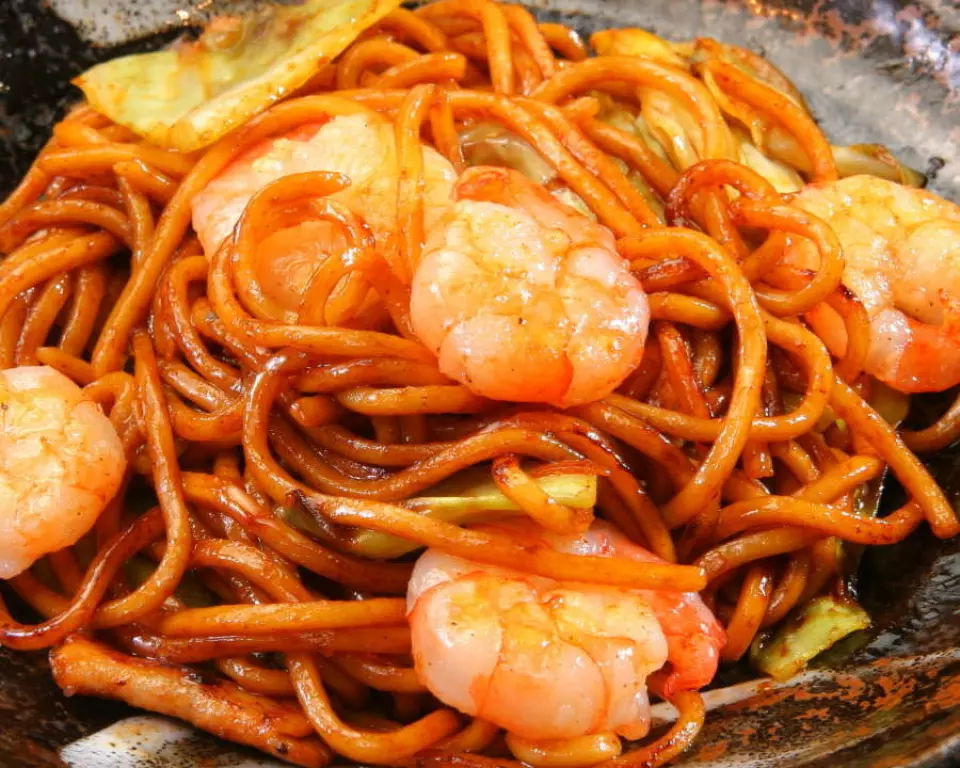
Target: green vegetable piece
{"points": [[467, 497], [810, 631], [189, 95]]}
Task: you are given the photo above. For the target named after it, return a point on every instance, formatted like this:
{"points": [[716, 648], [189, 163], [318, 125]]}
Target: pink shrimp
{"points": [[508, 647], [902, 251], [523, 298], [61, 462], [363, 148]]}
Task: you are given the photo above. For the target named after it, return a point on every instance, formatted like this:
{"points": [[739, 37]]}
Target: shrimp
{"points": [[524, 299], [61, 462], [359, 146], [509, 647], [902, 251]]}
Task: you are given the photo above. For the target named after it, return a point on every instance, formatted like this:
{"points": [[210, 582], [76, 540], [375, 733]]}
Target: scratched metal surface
{"points": [[883, 71]]}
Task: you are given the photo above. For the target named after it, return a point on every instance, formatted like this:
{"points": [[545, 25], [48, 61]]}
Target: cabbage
{"points": [[188, 96], [783, 178], [467, 497], [812, 629], [492, 144]]}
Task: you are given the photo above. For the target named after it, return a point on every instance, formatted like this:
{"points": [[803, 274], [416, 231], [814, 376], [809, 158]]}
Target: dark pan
{"points": [[885, 71]]}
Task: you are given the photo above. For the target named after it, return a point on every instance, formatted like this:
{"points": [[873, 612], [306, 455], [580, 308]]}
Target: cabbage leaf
{"points": [[189, 95]]}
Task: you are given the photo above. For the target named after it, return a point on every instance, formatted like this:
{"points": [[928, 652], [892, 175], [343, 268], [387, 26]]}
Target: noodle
{"points": [[294, 454]]}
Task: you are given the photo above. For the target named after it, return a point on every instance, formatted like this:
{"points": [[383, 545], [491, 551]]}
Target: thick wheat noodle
{"points": [[83, 666], [245, 273], [642, 510], [583, 750], [819, 517], [81, 162], [72, 133], [711, 174], [68, 616], [379, 675], [399, 401], [413, 428], [857, 326], [520, 488], [255, 678], [141, 219], [278, 618], [91, 193], [564, 40], [356, 744], [796, 460], [368, 54], [644, 73], [657, 172], [596, 162], [316, 340], [89, 290], [785, 218], [524, 26], [66, 569], [132, 305], [769, 428], [527, 74], [414, 28], [906, 466], [780, 109], [430, 68], [391, 640], [483, 446], [444, 130], [789, 589], [193, 387], [520, 120], [581, 436], [40, 318], [48, 263], [33, 184], [495, 29], [174, 290], [690, 310], [676, 740], [166, 478], [701, 190], [260, 569], [498, 550], [410, 186], [750, 611], [363, 746], [156, 185], [678, 369], [636, 433], [757, 461], [337, 439], [475, 737], [10, 327], [700, 496], [755, 546], [943, 432], [825, 556], [707, 357], [40, 244], [390, 578], [67, 212]]}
